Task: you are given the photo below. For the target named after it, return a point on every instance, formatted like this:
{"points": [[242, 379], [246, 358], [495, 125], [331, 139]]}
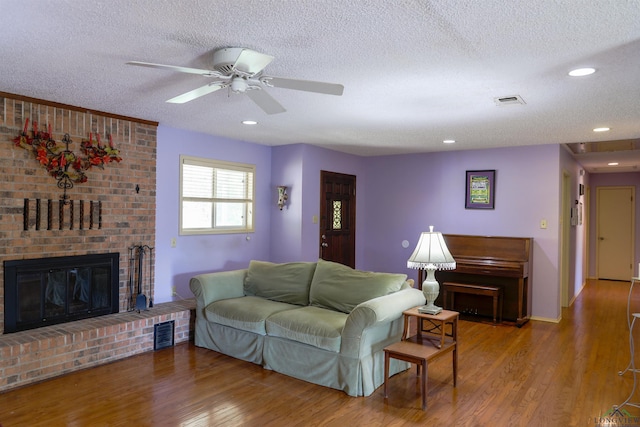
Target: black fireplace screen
{"points": [[48, 291]]}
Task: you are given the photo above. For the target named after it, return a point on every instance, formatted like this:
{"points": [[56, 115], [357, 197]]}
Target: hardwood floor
{"points": [[543, 374]]}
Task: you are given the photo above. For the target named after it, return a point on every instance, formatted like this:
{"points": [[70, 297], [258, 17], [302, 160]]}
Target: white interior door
{"points": [[615, 229]]}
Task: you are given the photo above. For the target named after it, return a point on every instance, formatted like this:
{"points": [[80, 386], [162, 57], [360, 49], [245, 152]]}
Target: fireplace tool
{"points": [[151, 277], [141, 299], [131, 267], [136, 272]]}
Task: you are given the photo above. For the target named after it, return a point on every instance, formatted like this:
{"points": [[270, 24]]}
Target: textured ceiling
{"points": [[415, 72]]}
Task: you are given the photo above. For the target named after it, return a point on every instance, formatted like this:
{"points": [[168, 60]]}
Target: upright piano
{"points": [[505, 262]]}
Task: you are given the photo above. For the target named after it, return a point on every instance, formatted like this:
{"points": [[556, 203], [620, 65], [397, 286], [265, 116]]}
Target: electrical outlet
{"points": [[173, 242], [173, 290]]}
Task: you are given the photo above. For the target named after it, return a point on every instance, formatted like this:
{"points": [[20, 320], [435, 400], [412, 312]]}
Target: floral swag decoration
{"points": [[62, 163]]}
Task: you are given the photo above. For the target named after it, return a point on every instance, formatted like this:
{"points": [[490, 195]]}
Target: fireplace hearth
{"points": [[48, 291]]}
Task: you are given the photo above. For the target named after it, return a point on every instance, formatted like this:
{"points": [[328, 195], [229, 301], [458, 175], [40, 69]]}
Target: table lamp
{"points": [[431, 254]]}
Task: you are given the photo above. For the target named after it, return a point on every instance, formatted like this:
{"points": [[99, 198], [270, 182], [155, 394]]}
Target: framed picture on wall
{"points": [[480, 189]]}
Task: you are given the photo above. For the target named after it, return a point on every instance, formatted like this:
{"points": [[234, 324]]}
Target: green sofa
{"points": [[320, 322]]}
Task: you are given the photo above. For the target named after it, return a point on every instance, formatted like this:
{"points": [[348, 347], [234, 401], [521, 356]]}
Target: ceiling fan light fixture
{"points": [[449, 141], [602, 129], [581, 72], [238, 84], [249, 122]]}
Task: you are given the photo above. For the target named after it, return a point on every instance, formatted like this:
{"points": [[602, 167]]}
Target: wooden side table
{"points": [[433, 324], [426, 345]]}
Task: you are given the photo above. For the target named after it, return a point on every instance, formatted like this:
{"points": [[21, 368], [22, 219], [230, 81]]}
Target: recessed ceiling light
{"points": [[449, 141], [249, 122], [603, 129], [580, 72], [613, 164]]}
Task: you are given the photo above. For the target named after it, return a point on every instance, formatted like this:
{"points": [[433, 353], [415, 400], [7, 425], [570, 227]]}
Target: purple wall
{"points": [[286, 225], [398, 197], [612, 180], [295, 236], [419, 190], [212, 252]]}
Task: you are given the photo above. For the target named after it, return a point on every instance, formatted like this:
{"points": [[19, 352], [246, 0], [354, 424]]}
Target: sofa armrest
{"points": [[376, 312], [210, 287]]}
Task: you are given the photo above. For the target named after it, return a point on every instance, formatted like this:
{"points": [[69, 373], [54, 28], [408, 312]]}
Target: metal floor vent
{"points": [[163, 335]]}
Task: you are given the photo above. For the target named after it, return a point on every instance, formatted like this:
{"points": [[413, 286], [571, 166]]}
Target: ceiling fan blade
{"points": [[305, 85], [252, 62], [197, 93], [265, 101], [206, 73]]}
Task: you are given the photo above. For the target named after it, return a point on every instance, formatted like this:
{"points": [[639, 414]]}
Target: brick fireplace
{"points": [[124, 193], [49, 291]]}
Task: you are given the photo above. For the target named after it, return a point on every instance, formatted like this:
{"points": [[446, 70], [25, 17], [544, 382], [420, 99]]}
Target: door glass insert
{"points": [[337, 215]]}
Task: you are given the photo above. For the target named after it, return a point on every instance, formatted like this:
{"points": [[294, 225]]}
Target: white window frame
{"points": [[248, 203]]}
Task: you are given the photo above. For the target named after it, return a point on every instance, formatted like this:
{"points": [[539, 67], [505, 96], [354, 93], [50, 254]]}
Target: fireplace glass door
{"points": [[55, 290]]}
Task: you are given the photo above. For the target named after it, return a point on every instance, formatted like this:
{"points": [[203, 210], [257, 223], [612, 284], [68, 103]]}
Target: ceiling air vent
{"points": [[509, 100]]}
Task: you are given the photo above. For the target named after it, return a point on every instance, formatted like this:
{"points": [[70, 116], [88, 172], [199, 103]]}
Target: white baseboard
{"points": [[546, 319]]}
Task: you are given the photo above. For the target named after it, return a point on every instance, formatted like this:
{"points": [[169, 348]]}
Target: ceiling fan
{"points": [[240, 70]]}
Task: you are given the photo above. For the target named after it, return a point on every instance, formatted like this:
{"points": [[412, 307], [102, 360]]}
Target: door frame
{"points": [[565, 238]]}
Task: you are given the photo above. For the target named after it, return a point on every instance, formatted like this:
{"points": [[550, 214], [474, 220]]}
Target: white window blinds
{"points": [[215, 196]]}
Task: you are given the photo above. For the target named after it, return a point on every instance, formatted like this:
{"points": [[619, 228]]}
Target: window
{"points": [[215, 196]]}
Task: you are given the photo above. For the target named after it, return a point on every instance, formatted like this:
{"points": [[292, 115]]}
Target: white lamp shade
{"points": [[431, 252]]}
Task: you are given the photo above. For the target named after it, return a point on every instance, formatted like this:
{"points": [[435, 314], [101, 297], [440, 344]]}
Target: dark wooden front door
{"points": [[338, 218]]}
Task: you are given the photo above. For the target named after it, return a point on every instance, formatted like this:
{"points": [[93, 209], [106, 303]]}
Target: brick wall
{"points": [[35, 355], [128, 219]]}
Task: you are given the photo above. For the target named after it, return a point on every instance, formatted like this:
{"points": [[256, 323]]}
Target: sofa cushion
{"points": [[245, 313], [287, 282], [315, 326], [338, 287]]}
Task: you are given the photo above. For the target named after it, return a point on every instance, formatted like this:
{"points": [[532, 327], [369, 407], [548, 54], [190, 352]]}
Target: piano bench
{"points": [[468, 288]]}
